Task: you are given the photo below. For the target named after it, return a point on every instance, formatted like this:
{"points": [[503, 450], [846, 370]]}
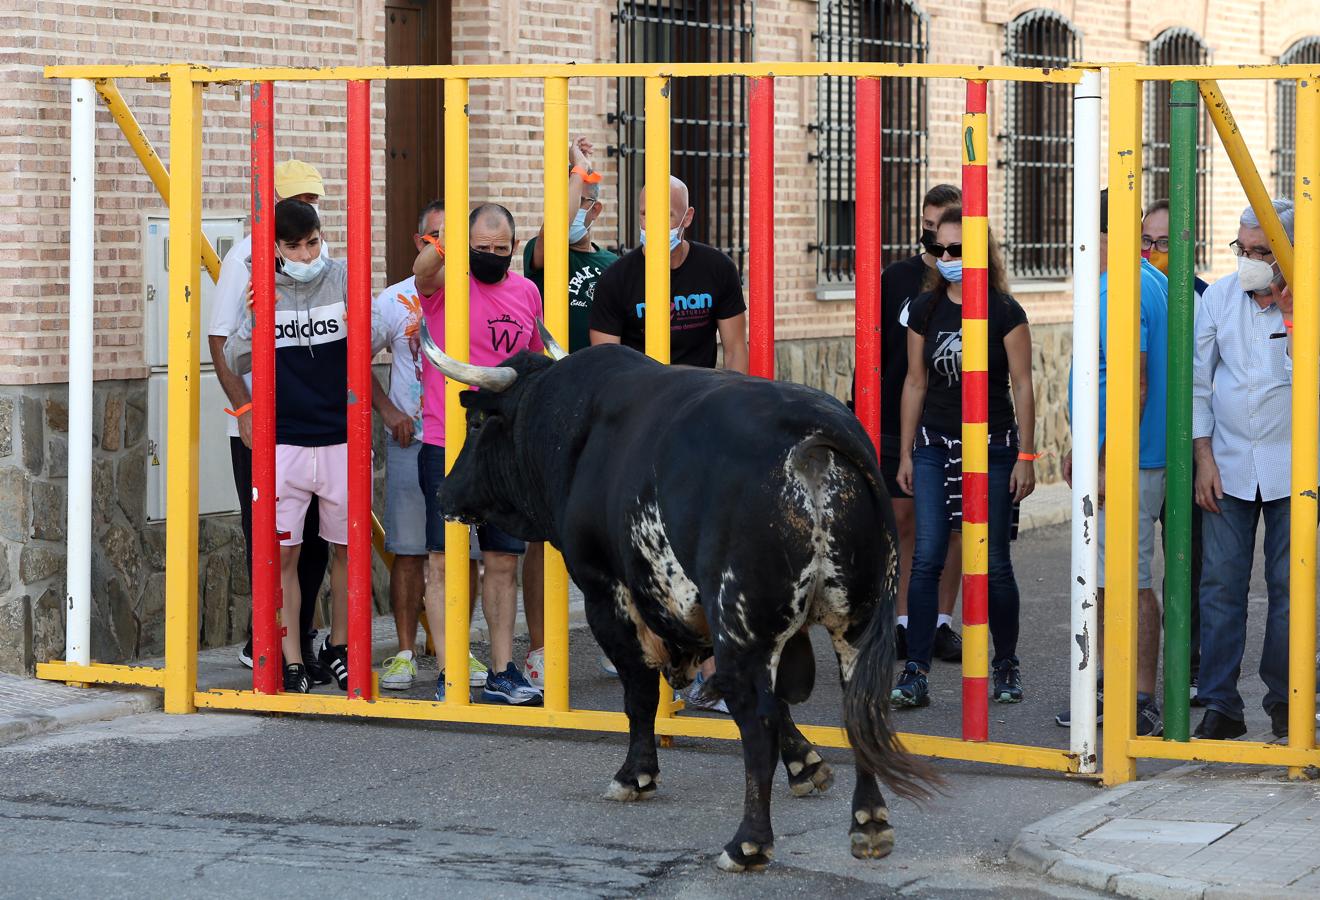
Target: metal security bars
{"points": [[708, 130], [1178, 47], [1037, 140], [1306, 50], [868, 31]]}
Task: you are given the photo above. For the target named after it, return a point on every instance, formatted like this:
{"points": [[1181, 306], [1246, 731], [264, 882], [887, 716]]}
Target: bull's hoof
{"points": [[746, 857], [871, 835], [640, 788], [810, 774]]}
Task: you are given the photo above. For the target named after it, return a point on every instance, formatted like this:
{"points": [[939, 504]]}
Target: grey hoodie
{"points": [[311, 355]]}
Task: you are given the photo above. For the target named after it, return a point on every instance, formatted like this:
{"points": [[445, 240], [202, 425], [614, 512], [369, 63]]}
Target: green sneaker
{"points": [[399, 672], [476, 672]]}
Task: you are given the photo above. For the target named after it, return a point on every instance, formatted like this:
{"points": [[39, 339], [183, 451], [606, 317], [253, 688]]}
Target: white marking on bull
{"points": [[676, 592]]}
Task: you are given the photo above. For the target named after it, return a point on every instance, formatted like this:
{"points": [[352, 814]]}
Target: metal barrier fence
{"points": [[181, 189]]}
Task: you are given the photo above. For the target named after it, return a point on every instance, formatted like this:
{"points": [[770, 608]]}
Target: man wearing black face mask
{"points": [[503, 309], [900, 283]]}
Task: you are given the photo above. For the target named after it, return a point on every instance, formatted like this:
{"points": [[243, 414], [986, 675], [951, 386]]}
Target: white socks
{"points": [[944, 620], [902, 621], [405, 654]]}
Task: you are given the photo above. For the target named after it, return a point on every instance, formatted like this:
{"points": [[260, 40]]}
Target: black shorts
{"points": [[430, 475], [889, 471]]}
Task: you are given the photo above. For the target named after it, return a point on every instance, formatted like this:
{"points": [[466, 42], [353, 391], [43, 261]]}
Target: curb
{"points": [[17, 728]]}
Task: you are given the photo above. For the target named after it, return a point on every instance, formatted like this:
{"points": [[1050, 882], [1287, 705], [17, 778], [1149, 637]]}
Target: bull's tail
{"points": [[866, 714]]}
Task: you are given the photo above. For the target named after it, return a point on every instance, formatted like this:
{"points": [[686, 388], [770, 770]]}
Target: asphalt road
{"points": [[220, 804]]}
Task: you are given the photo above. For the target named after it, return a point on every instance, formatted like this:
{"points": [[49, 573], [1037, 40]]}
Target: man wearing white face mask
{"points": [[1242, 437], [706, 290], [296, 179]]}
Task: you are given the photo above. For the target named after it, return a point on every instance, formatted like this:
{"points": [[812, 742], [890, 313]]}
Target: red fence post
{"points": [[762, 277], [359, 390], [867, 229], [975, 411], [267, 665]]}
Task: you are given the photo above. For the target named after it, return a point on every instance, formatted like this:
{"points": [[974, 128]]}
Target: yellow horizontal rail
{"points": [[1247, 752], [608, 721], [562, 70], [1220, 73], [101, 673]]}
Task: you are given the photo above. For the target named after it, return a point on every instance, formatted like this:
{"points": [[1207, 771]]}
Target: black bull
{"points": [[701, 510]]}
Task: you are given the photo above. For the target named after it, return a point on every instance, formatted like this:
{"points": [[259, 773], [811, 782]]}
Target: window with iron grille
{"points": [[1037, 148], [1177, 47], [1307, 50], [708, 131], [868, 31]]}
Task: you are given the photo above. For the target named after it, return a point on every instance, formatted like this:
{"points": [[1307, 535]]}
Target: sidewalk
{"points": [[1197, 831], [30, 707]]}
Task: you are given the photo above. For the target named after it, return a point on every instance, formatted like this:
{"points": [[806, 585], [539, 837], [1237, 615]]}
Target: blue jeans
{"points": [[930, 495], [1229, 539]]}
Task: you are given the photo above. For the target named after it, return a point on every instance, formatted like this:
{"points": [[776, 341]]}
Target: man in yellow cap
{"points": [[297, 180]]}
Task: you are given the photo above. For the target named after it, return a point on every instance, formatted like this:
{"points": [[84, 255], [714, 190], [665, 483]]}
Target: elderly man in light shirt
{"points": [[1242, 431]]}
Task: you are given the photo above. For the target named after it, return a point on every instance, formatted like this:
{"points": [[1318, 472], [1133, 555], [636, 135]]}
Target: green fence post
{"points": [[1184, 103]]}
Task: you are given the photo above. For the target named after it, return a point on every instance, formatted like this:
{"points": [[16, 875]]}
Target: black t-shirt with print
{"points": [[706, 288], [939, 320]]}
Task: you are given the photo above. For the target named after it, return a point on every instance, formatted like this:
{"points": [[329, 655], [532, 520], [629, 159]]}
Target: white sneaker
{"points": [[476, 672], [399, 672], [534, 668], [608, 667]]}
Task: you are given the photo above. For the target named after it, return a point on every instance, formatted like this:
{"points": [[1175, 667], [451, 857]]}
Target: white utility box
{"points": [[215, 482], [224, 233]]}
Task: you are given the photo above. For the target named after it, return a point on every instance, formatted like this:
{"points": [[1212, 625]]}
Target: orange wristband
{"points": [[1028, 457], [588, 177], [237, 413], [434, 242], [1287, 324]]}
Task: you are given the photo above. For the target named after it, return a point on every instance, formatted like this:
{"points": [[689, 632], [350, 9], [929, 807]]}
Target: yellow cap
{"points": [[294, 177]]}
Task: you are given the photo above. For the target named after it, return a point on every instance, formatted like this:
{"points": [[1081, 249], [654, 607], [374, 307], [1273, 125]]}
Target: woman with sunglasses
{"points": [[930, 464]]}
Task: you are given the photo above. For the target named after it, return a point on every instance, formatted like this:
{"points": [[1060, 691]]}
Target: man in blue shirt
{"points": [[1151, 460]]}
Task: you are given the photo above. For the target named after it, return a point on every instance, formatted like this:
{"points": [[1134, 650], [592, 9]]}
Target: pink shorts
{"points": [[302, 473]]}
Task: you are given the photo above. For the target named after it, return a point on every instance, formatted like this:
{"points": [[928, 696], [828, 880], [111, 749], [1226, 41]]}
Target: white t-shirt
{"points": [[229, 301], [400, 311]]}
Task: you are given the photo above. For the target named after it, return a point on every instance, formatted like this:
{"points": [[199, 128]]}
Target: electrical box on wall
{"points": [[215, 482], [224, 233]]}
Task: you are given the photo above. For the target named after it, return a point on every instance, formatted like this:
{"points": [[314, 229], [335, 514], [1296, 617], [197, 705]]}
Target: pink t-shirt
{"points": [[503, 321]]}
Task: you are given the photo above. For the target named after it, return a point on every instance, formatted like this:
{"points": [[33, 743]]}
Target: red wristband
{"points": [[1028, 457], [237, 413], [1287, 324], [588, 177]]}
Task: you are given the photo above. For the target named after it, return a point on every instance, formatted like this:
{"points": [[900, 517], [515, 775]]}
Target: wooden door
{"points": [[417, 32]]}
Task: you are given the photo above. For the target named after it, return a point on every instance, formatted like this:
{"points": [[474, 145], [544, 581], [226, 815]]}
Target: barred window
{"points": [[708, 131], [1178, 47], [1037, 157], [868, 31], [1307, 50]]}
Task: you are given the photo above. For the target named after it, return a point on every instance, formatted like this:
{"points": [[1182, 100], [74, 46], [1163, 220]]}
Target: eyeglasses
{"points": [[938, 250], [1251, 252], [1161, 244]]}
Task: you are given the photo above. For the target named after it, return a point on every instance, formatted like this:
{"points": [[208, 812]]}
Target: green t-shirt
{"points": [[583, 271]]}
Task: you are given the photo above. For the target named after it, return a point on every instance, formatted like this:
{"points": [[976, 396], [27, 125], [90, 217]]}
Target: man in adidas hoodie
{"points": [[311, 422]]}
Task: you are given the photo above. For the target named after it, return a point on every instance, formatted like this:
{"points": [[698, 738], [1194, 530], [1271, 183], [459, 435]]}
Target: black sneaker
{"points": [[1149, 723], [948, 645], [245, 655], [1196, 696], [1008, 681], [1216, 726], [334, 657], [1064, 719], [1279, 720], [912, 689], [295, 679], [317, 673], [900, 642]]}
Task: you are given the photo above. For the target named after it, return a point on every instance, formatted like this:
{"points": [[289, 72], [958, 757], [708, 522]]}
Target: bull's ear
{"points": [[486, 400]]}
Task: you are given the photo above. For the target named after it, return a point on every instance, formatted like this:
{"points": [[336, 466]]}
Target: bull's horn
{"points": [[552, 345], [488, 378]]}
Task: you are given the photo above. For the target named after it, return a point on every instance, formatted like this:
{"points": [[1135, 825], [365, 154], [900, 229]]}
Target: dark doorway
{"points": [[417, 33]]}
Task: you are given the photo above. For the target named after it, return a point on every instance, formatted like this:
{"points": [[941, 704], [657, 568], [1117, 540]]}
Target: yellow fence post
{"points": [[556, 319], [184, 364], [458, 333], [1252, 185], [658, 304], [1305, 285], [1123, 424]]}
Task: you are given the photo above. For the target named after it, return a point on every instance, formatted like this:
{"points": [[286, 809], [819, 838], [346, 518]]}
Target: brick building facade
{"points": [[814, 314]]}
